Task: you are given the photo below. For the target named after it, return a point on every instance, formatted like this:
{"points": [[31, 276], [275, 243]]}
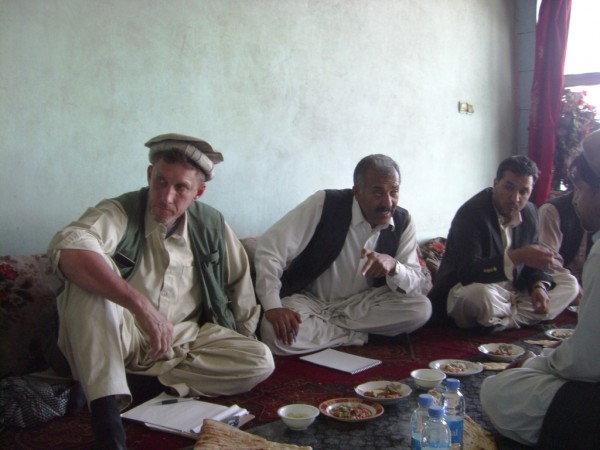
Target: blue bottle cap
{"points": [[436, 411], [452, 383], [425, 400]]}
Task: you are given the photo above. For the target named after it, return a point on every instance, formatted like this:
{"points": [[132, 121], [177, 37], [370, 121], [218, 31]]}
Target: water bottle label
{"points": [[455, 423], [415, 441]]}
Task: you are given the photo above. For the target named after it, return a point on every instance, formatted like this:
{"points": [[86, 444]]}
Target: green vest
{"points": [[206, 228]]}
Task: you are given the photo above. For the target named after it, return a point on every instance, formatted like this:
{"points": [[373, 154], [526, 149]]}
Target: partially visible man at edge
{"points": [[561, 232], [340, 265], [157, 284], [492, 275], [551, 400]]}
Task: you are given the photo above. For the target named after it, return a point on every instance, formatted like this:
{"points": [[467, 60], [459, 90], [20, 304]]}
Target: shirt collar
{"points": [[152, 226], [515, 220], [358, 218]]}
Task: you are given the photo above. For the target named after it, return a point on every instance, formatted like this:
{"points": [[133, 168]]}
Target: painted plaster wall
{"points": [[293, 92]]}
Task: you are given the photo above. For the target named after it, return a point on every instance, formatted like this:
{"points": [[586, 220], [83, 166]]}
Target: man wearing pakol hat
{"points": [[158, 284], [341, 265], [552, 400], [493, 275]]}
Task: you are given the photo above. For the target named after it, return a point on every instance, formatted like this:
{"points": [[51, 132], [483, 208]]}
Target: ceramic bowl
{"points": [[428, 378], [298, 416]]}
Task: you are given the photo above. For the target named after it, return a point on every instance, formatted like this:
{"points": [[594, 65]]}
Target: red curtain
{"points": [[550, 49]]}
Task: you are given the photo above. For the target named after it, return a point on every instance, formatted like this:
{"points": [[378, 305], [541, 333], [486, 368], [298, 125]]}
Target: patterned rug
{"points": [[293, 381]]}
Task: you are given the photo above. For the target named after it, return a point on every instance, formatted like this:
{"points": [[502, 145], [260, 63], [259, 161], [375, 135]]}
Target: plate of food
{"points": [[501, 352], [456, 367], [560, 333], [383, 392], [350, 409]]}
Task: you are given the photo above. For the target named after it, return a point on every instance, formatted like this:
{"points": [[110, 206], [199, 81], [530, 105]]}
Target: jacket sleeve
{"points": [[476, 251]]}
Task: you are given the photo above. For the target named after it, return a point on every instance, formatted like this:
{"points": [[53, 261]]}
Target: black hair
{"points": [[520, 165]]}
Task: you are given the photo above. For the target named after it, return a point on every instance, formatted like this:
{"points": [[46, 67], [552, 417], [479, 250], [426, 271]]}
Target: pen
{"points": [[175, 400], [294, 334]]}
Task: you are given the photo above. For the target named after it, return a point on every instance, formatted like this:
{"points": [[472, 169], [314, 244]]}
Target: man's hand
{"points": [[90, 271], [286, 323], [158, 329], [377, 265], [536, 256], [540, 300]]}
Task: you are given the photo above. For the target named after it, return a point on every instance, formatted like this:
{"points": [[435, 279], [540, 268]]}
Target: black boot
{"points": [[107, 425]]}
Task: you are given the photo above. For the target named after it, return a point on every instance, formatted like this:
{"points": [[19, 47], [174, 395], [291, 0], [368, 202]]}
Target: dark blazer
{"points": [[474, 252]]}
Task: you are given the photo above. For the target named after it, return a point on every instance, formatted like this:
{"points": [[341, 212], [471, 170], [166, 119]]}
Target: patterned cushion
{"points": [[432, 251], [27, 293]]}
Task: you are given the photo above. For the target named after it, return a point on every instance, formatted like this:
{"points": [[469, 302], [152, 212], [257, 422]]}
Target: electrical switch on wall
{"points": [[465, 108]]}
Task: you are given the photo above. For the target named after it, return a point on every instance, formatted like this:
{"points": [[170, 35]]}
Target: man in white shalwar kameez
{"points": [[517, 400], [157, 284], [340, 265]]}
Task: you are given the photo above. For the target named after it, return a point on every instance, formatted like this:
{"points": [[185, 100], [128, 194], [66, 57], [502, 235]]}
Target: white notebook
{"points": [[345, 362], [183, 417]]}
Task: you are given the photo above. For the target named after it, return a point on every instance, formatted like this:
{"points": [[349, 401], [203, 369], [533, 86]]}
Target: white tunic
{"points": [[516, 400], [340, 307]]}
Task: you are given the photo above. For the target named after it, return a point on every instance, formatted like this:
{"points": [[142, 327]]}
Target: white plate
{"points": [[510, 352], [560, 333], [362, 389], [470, 368], [328, 408]]}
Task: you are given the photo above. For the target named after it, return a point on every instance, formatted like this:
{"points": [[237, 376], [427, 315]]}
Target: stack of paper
{"points": [[343, 361], [184, 416]]}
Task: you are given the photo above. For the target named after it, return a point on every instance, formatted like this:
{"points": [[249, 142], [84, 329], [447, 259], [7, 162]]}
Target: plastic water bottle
{"points": [[454, 406], [418, 418], [435, 434]]}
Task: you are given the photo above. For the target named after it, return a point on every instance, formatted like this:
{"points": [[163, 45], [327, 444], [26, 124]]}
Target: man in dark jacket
{"points": [[492, 272]]}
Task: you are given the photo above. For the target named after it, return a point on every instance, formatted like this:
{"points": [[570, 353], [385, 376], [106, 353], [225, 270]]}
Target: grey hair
{"points": [[382, 163]]}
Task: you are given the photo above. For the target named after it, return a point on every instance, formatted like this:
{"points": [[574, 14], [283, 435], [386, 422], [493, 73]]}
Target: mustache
{"points": [[383, 209]]}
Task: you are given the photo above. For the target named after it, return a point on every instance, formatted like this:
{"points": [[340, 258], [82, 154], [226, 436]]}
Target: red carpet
{"points": [[293, 381]]}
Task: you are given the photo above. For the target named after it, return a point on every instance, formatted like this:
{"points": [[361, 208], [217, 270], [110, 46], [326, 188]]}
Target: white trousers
{"points": [[348, 321], [496, 304], [102, 342], [516, 402]]}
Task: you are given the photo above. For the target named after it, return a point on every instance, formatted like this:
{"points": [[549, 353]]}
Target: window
{"points": [[582, 64]]}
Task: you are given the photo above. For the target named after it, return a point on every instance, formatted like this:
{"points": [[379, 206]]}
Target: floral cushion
{"points": [[27, 295], [432, 251]]}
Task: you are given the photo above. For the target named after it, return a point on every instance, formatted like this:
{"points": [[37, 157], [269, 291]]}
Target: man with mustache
{"points": [[492, 276], [157, 284], [341, 265], [551, 400]]}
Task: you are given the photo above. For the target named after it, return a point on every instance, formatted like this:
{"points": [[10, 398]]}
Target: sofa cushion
{"points": [[433, 251], [27, 294]]}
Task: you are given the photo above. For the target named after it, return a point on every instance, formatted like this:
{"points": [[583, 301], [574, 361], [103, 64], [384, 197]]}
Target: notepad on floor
{"points": [[184, 418], [345, 362]]}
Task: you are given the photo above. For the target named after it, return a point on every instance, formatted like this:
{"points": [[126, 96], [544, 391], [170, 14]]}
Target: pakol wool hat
{"points": [[591, 151], [196, 149]]}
